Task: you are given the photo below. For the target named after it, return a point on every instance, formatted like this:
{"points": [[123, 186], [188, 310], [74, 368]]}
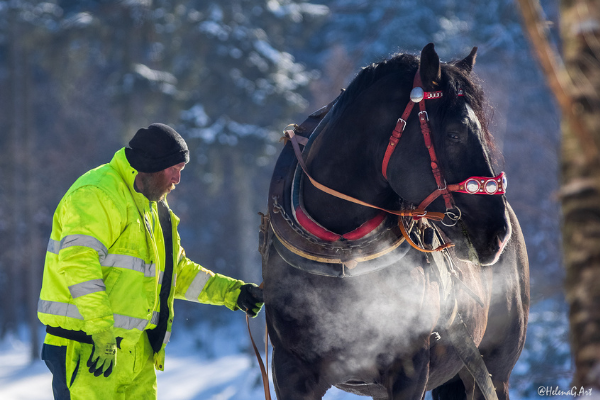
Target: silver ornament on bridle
{"points": [[417, 94]]}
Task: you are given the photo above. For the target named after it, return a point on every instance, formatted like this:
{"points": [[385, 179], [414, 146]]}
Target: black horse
{"points": [[378, 319]]}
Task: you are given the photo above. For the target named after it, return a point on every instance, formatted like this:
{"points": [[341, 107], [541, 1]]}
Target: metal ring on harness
{"points": [[452, 216], [295, 126]]}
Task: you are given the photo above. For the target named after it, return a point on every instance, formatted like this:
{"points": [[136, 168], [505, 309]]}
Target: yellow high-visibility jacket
{"points": [[106, 259]]}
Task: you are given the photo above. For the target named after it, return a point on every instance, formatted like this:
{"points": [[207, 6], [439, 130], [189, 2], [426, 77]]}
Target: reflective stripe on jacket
{"points": [[106, 256]]}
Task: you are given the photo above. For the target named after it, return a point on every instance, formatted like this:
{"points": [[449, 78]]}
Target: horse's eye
{"points": [[453, 136]]}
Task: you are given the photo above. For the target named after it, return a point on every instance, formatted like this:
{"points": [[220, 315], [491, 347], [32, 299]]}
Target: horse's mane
{"points": [[370, 74], [453, 78]]}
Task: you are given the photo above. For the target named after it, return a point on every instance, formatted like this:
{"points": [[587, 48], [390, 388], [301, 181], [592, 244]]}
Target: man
{"points": [[113, 267]]}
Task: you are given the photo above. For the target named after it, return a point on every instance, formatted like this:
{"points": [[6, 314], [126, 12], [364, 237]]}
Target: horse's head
{"points": [[462, 146]]}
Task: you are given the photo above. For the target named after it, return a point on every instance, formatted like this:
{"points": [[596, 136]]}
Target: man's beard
{"points": [[155, 189]]}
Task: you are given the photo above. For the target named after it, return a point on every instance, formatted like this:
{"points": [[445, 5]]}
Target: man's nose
{"points": [[176, 177]]}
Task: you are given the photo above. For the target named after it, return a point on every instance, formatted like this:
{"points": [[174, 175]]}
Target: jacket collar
{"points": [[120, 163]]}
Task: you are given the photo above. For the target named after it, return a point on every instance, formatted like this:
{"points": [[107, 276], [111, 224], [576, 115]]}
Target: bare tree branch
{"points": [[558, 79]]}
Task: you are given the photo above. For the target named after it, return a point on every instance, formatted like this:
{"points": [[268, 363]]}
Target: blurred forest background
{"points": [[79, 77]]}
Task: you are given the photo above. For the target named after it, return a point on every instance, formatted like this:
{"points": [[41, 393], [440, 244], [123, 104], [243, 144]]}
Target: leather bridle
{"points": [[473, 185]]}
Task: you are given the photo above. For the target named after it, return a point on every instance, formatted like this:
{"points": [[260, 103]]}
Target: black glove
{"points": [[250, 299]]}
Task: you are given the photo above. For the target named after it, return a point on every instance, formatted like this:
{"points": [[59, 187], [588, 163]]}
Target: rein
{"points": [[436, 216], [264, 369], [417, 213]]}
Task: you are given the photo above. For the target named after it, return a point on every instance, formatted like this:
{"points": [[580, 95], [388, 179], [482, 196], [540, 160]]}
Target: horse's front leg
{"points": [[407, 379], [294, 379]]}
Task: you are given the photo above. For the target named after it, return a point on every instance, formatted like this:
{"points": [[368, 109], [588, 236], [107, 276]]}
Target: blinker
{"points": [[483, 185]]}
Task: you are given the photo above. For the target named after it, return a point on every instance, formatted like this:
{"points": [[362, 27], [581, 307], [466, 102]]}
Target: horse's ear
{"points": [[468, 62], [431, 72]]}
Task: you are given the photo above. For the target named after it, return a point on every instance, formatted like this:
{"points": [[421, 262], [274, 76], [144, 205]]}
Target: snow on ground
{"points": [[20, 380], [189, 375], [217, 369]]}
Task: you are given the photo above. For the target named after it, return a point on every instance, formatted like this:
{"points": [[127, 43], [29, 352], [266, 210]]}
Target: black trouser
{"points": [[55, 358]]}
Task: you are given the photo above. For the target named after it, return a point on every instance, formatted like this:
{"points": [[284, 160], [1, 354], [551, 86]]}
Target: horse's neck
{"points": [[347, 168]]}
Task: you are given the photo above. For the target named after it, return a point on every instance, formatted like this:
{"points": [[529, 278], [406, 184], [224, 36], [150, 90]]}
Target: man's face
{"points": [[156, 185]]}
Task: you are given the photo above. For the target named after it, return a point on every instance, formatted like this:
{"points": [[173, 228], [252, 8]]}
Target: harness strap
{"points": [[429, 199], [426, 131], [458, 335], [436, 216], [395, 138], [467, 351], [435, 167]]}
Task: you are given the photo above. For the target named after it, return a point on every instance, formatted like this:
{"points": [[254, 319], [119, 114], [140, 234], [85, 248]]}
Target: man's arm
{"points": [[196, 283], [90, 223]]}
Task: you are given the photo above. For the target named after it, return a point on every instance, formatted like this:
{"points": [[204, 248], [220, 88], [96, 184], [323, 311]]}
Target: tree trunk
{"points": [[580, 27], [576, 87]]}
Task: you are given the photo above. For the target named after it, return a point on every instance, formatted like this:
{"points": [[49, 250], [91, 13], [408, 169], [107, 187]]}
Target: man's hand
{"points": [[104, 353], [250, 299]]}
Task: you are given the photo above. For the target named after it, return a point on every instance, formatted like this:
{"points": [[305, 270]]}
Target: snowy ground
{"points": [[211, 364], [189, 375]]}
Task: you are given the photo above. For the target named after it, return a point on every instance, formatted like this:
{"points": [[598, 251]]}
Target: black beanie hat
{"points": [[155, 148]]}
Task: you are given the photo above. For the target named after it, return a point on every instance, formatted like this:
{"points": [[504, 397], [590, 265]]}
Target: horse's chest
{"points": [[356, 318]]}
